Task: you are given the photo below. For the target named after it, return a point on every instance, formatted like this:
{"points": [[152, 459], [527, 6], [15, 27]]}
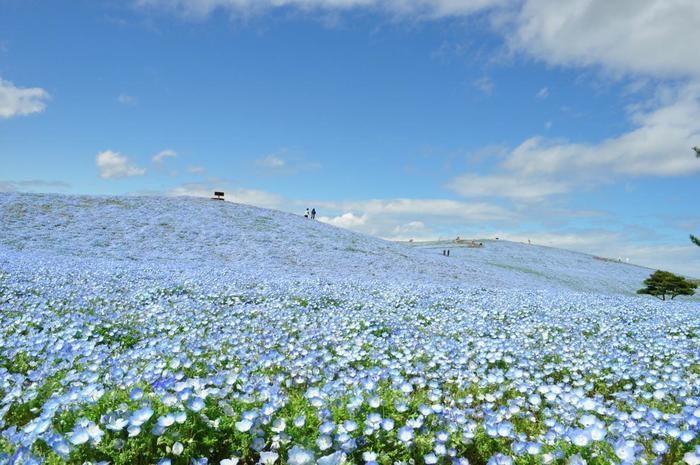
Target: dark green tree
{"points": [[664, 283], [695, 240]]}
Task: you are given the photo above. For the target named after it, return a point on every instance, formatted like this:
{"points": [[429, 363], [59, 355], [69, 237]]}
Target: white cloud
{"points": [[346, 220], [163, 154], [420, 208], [126, 99], [196, 169], [543, 93], [19, 101], [272, 162], [113, 165], [485, 85], [33, 185], [284, 162], [423, 8], [510, 185], [400, 219], [659, 145], [651, 37]]}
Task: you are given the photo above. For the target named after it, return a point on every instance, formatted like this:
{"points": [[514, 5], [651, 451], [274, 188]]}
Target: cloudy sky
{"points": [[569, 123]]}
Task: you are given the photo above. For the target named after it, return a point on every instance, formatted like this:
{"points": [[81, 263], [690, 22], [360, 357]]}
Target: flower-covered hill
{"points": [[179, 331], [195, 232]]}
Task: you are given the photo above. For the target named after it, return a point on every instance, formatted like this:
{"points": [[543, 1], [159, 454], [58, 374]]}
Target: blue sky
{"points": [[570, 125]]}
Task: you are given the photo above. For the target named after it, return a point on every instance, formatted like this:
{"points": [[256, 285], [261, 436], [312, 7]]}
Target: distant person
{"points": [[313, 213], [307, 213], [448, 252]]}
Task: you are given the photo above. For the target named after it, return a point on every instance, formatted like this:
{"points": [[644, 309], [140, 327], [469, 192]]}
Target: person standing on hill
{"points": [[313, 213], [306, 213]]}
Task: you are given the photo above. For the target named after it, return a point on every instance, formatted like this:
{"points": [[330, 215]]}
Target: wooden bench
{"points": [[218, 196]]}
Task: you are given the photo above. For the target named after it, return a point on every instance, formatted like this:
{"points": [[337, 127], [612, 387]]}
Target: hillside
{"points": [[179, 331], [189, 233]]}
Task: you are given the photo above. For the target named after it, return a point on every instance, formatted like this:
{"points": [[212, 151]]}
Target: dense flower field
{"points": [[111, 362], [188, 332]]}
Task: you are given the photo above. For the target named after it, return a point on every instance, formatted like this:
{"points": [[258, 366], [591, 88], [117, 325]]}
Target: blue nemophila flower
{"points": [[387, 424], [691, 458], [136, 394], [140, 416], [268, 457], [79, 436], [405, 434], [196, 404], [488, 359], [576, 460], [626, 450], [659, 447], [177, 448], [336, 458], [244, 425], [299, 456], [324, 442], [115, 423], [579, 437], [500, 459], [133, 430], [229, 461], [327, 427], [349, 426], [165, 420], [278, 425]]}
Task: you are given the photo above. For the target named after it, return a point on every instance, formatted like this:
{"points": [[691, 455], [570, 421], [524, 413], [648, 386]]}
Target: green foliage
{"points": [[695, 240], [20, 414], [664, 283]]}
